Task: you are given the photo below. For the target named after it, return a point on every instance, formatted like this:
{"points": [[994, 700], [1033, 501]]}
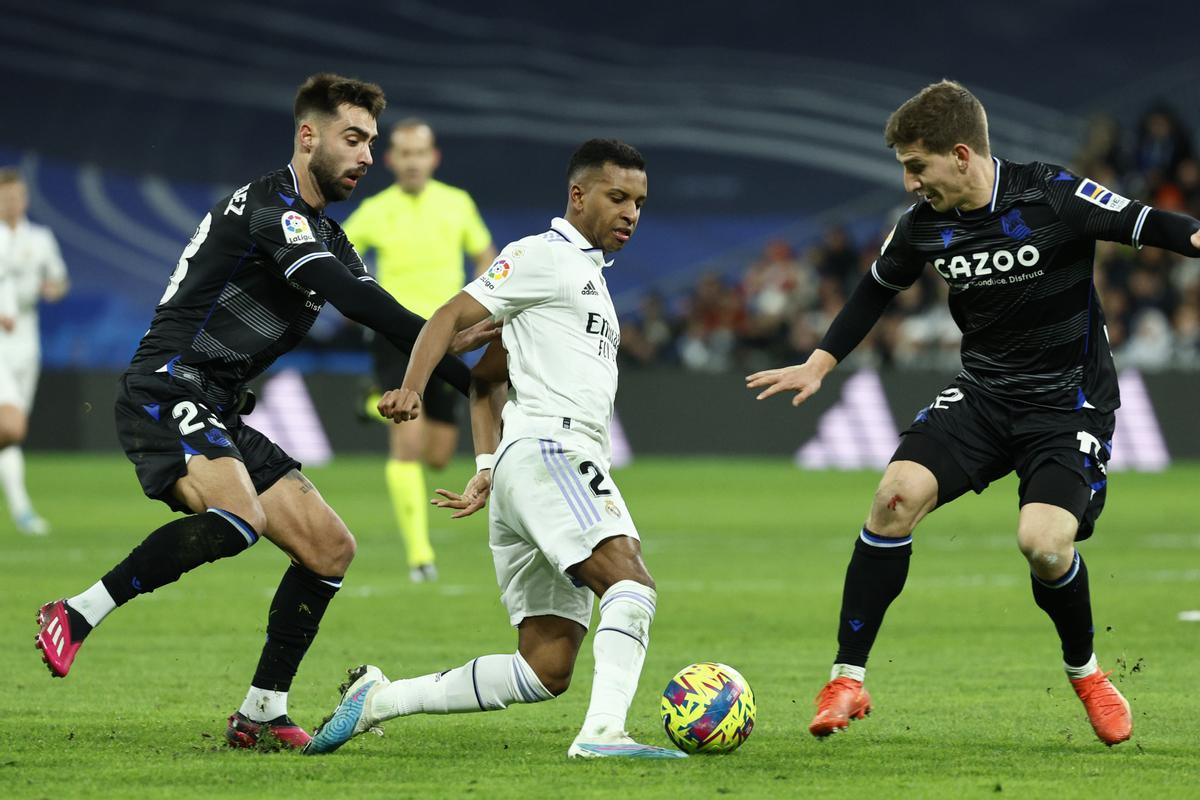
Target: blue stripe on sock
{"points": [[1065, 579], [637, 598], [523, 685], [883, 541], [475, 686], [623, 633], [237, 522]]}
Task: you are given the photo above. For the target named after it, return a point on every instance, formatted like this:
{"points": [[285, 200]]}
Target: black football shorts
{"points": [[969, 438], [162, 422]]}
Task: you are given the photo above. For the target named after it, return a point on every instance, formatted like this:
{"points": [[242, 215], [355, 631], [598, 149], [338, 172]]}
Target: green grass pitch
{"points": [[749, 556]]}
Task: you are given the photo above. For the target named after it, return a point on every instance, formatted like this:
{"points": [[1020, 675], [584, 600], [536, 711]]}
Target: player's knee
{"points": [[12, 430], [338, 548], [555, 677], [1049, 553], [634, 572], [897, 507], [1048, 564], [437, 460], [252, 514]]}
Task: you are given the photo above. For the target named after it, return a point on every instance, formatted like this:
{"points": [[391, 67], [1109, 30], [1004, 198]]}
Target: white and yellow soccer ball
{"points": [[708, 708]]}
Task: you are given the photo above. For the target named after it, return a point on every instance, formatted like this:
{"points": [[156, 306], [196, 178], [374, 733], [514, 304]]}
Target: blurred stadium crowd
{"points": [[777, 308]]}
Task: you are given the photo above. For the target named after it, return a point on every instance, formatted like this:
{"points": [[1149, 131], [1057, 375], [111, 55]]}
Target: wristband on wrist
{"points": [[484, 461]]}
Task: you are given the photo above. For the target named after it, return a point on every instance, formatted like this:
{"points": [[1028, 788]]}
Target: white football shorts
{"points": [[19, 367], [550, 506]]}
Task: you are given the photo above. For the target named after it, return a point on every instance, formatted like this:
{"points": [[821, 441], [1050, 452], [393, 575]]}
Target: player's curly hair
{"points": [[598, 152], [940, 116], [324, 92]]}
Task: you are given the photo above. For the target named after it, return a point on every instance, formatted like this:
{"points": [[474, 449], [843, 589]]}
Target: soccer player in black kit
{"points": [[1036, 394], [247, 288]]}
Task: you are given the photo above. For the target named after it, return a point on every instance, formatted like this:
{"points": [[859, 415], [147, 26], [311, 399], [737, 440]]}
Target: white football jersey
{"points": [[561, 333], [29, 256]]}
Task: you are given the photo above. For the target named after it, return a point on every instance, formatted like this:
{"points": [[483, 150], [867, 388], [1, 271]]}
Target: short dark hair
{"points": [[938, 117], [598, 152], [10, 175], [324, 92]]}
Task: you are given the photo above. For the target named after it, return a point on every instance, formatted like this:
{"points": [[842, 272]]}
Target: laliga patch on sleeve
{"points": [[296, 229], [497, 273], [1098, 195]]}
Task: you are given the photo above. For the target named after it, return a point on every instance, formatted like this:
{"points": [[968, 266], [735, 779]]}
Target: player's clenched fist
{"points": [[400, 405]]}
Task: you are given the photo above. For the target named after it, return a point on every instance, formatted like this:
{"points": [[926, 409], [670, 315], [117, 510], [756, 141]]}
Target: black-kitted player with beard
{"points": [[247, 288]]}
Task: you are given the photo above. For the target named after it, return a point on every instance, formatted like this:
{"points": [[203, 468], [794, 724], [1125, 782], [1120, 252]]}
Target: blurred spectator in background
{"points": [[419, 229], [839, 256], [31, 269], [715, 314], [648, 337], [1162, 144], [1101, 151]]}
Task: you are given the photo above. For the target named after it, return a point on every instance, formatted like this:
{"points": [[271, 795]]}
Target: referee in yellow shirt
{"points": [[419, 230]]}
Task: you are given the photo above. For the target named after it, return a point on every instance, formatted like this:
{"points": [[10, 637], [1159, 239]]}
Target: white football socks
{"points": [[487, 683], [1075, 673], [619, 646], [264, 705], [94, 604], [848, 671], [12, 479]]}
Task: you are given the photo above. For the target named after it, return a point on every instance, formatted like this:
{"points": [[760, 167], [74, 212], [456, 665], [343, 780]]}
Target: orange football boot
{"points": [[842, 700], [1107, 708]]}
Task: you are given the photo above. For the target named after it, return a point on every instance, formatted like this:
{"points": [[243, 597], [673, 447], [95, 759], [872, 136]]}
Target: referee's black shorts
{"points": [[968, 438], [441, 402]]}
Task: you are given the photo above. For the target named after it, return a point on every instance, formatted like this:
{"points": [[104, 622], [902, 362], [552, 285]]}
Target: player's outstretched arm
{"points": [[851, 325], [1172, 231], [459, 313], [365, 302]]}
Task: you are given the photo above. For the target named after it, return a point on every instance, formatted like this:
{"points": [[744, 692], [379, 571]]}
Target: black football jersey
{"points": [[231, 308], [1020, 277]]}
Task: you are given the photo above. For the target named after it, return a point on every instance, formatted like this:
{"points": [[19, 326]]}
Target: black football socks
{"points": [[177, 547], [300, 602], [875, 577], [1068, 603]]}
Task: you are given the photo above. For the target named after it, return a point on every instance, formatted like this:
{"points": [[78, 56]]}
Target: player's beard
{"points": [[328, 177]]}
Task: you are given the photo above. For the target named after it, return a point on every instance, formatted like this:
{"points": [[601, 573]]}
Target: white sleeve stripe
{"points": [[882, 282], [287, 273], [1137, 228], [367, 278]]}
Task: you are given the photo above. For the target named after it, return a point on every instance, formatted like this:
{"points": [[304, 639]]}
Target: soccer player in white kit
{"points": [[559, 530], [31, 268]]}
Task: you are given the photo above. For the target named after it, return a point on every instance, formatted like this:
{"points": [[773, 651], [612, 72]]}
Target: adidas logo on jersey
{"points": [[589, 289]]}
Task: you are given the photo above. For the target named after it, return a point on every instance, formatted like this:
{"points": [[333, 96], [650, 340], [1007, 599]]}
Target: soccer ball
{"points": [[708, 708]]}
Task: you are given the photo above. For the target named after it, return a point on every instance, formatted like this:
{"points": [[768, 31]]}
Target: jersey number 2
{"points": [[187, 409], [597, 479]]}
